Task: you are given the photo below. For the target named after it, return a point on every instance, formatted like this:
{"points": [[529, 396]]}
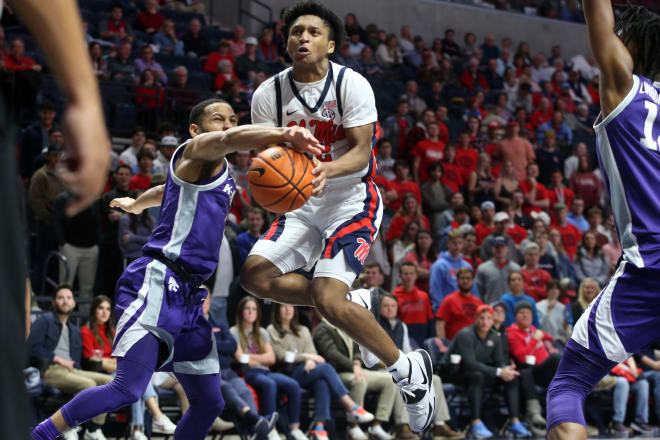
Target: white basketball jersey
{"points": [[343, 99]]}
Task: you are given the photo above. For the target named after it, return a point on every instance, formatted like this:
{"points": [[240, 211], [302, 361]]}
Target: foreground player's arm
{"points": [[355, 159], [88, 144], [148, 199], [213, 146], [616, 64]]}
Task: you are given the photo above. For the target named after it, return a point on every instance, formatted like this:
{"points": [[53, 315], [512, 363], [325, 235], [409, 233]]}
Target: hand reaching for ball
{"points": [[302, 139]]}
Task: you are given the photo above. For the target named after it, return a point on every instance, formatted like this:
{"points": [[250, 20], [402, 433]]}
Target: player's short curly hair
{"points": [[641, 27], [331, 20], [197, 111]]}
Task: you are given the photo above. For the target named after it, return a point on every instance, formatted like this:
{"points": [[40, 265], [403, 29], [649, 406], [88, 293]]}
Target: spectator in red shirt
{"points": [[16, 61], [542, 114], [414, 305], [458, 309], [536, 198], [142, 180], [530, 347], [423, 255], [267, 51], [536, 279], [114, 28], [487, 224], [223, 53], [586, 184], [150, 19], [466, 156], [558, 192], [516, 232], [410, 210], [570, 235], [426, 152], [472, 79], [402, 184], [225, 74], [97, 338], [419, 132], [452, 176]]}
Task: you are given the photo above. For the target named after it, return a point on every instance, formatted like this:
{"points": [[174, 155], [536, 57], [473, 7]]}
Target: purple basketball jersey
{"points": [[629, 156], [192, 219]]}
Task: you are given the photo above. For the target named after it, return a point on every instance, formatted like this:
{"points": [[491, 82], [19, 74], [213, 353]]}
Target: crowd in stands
{"points": [[497, 230]]}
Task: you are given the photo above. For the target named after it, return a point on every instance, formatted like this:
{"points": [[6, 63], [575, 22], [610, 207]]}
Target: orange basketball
{"points": [[280, 179]]}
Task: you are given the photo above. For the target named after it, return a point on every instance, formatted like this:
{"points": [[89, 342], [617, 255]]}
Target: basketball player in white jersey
{"points": [[334, 230]]}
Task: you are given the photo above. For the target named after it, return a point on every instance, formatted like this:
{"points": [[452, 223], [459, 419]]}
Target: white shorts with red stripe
{"points": [[334, 231]]}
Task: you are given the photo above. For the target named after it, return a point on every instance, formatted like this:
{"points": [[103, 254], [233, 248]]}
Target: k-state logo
{"points": [[172, 285], [362, 251]]}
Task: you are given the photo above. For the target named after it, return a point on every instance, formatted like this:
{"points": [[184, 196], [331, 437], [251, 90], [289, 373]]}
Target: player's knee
{"points": [[215, 404], [328, 308], [568, 431], [126, 395], [256, 275]]}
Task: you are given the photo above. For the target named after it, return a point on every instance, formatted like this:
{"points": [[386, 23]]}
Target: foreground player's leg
{"points": [[579, 370], [127, 387], [263, 279], [413, 372], [206, 403]]}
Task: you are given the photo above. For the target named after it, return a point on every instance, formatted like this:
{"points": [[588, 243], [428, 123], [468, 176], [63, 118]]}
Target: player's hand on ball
{"points": [[126, 204], [320, 176], [303, 140]]}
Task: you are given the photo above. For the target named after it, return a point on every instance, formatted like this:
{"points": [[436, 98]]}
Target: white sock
{"points": [[401, 368]]}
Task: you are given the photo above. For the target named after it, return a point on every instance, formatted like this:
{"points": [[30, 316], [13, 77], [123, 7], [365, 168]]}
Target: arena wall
{"points": [[429, 18]]}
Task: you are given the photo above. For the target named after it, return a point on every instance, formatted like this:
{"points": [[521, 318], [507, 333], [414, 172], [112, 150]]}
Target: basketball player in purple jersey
{"points": [[158, 303], [334, 230], [625, 317]]}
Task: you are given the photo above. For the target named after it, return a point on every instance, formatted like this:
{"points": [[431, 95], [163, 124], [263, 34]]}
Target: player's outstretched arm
{"points": [[615, 62], [57, 27], [213, 146], [148, 199]]}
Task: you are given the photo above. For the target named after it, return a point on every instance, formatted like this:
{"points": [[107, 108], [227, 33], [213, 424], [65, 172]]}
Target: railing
{"points": [[244, 11]]}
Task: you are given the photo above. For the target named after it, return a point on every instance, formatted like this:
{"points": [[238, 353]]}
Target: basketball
{"points": [[280, 179]]}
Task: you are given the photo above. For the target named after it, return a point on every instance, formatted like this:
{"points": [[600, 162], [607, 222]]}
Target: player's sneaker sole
{"points": [[418, 391]]}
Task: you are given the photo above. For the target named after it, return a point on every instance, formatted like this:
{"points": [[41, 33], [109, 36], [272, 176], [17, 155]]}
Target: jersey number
{"points": [[648, 140]]}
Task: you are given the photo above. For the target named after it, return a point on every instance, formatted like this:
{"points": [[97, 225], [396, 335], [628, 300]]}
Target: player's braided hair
{"points": [[641, 27], [331, 20]]}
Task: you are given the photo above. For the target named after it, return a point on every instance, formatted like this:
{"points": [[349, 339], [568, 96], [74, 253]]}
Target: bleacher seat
{"points": [[124, 117], [200, 80]]}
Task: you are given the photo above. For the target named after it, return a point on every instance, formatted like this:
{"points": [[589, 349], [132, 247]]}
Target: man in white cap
{"points": [[248, 62], [501, 221], [165, 151]]}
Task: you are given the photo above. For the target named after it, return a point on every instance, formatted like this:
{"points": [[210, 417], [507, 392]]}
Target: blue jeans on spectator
{"points": [[218, 310], [137, 408], [235, 391], [653, 377], [620, 400], [268, 385], [323, 379]]}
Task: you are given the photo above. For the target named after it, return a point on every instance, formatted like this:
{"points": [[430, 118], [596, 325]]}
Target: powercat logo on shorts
{"points": [[172, 285], [362, 251]]}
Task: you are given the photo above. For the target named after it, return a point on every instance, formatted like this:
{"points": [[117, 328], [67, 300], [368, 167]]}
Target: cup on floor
{"points": [[455, 359]]}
